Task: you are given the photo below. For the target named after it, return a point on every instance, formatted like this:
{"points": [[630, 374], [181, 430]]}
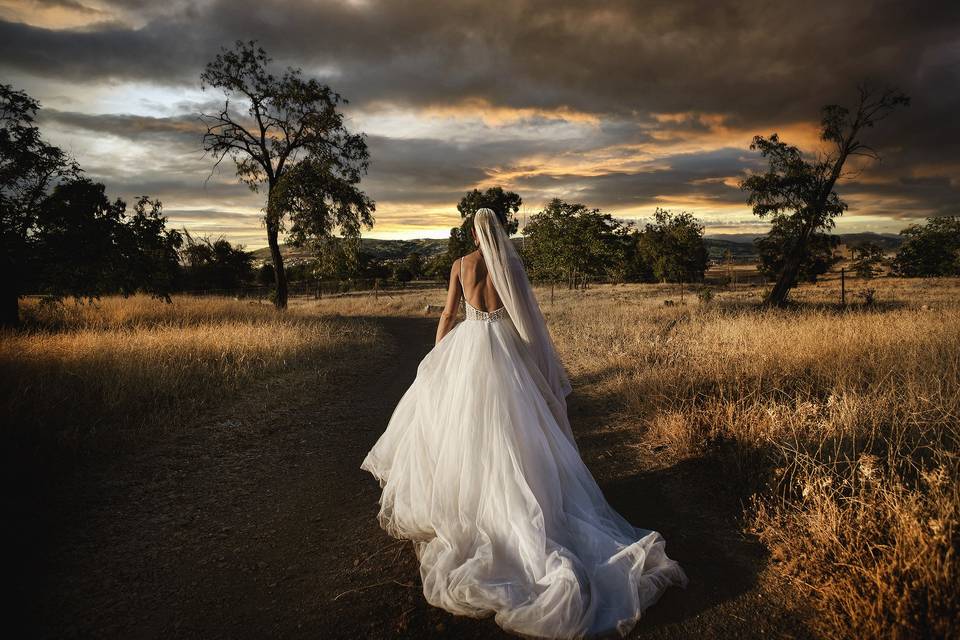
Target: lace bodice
{"points": [[472, 313]]}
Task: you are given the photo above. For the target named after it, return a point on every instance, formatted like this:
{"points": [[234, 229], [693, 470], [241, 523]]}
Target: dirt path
{"points": [[260, 524]]}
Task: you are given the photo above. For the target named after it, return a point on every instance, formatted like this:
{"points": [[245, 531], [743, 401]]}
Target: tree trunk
{"points": [[791, 264], [790, 271], [279, 275]]}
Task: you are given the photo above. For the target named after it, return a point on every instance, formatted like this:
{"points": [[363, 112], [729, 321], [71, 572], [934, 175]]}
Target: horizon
{"points": [[592, 105]]}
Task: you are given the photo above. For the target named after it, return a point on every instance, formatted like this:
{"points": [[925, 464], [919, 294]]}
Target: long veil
{"points": [[510, 280]]}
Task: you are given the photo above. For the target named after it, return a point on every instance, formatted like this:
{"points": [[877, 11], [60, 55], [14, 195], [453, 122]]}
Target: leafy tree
{"points": [[149, 252], [505, 204], [773, 247], [60, 233], [801, 190], [28, 168], [672, 247], [74, 242], [568, 241], [292, 140], [215, 264], [867, 259], [459, 243], [931, 249], [337, 258], [84, 245]]}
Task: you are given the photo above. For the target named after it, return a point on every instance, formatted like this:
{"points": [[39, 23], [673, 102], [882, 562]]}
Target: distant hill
{"points": [[886, 241], [740, 246]]}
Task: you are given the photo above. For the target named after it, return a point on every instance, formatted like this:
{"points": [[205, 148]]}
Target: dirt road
{"points": [[258, 523]]}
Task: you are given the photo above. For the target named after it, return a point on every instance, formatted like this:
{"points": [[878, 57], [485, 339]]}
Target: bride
{"points": [[480, 469]]}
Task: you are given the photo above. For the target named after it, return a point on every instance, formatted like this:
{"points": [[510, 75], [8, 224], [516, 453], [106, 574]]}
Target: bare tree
{"points": [[800, 192], [291, 139]]}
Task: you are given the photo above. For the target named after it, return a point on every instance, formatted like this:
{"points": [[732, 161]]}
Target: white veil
{"points": [[510, 280]]}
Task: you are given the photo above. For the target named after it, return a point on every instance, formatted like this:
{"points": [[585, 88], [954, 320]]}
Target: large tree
{"points": [[288, 137], [28, 168], [505, 204], [85, 245], [59, 233], [570, 242], [931, 249], [800, 189], [672, 245]]}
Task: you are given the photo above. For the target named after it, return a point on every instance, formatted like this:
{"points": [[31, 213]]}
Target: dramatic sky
{"points": [[621, 105]]}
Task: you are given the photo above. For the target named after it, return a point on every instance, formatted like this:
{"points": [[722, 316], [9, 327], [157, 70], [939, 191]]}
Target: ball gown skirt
{"points": [[477, 470]]}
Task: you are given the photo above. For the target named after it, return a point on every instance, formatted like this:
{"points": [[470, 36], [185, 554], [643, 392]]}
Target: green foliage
{"points": [[793, 187], [797, 191], [85, 246], [73, 245], [505, 204], [28, 168], [671, 248], [772, 250], [215, 264], [867, 259], [569, 242], [931, 249], [292, 139]]}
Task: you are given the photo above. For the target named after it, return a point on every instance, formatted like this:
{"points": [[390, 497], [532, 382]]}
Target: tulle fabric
{"points": [[507, 519]]}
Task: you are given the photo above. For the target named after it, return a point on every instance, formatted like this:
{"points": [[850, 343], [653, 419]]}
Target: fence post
{"points": [[843, 288]]}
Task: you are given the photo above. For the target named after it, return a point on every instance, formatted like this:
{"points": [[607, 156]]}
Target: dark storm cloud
{"points": [[186, 129], [757, 64], [747, 59]]}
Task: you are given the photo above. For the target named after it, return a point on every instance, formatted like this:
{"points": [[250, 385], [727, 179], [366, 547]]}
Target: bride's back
{"points": [[477, 286]]}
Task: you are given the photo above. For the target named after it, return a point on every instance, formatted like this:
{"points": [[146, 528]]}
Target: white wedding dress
{"points": [[479, 468]]}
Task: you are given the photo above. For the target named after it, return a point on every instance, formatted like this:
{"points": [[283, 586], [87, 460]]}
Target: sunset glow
{"points": [[594, 106]]}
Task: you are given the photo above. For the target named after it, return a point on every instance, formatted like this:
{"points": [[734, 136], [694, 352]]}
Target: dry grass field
{"points": [[116, 366], [838, 431]]}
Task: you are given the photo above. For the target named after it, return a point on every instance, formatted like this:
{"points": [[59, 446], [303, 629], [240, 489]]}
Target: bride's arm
{"points": [[449, 316]]}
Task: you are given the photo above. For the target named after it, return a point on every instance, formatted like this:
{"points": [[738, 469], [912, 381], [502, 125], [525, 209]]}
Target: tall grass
{"points": [[839, 430], [120, 365]]}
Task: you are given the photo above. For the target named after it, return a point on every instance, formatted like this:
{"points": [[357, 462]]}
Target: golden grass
{"points": [[123, 364], [841, 430], [838, 429]]}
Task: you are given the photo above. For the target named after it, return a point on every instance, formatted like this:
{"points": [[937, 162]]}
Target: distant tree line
{"points": [[572, 244]]}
